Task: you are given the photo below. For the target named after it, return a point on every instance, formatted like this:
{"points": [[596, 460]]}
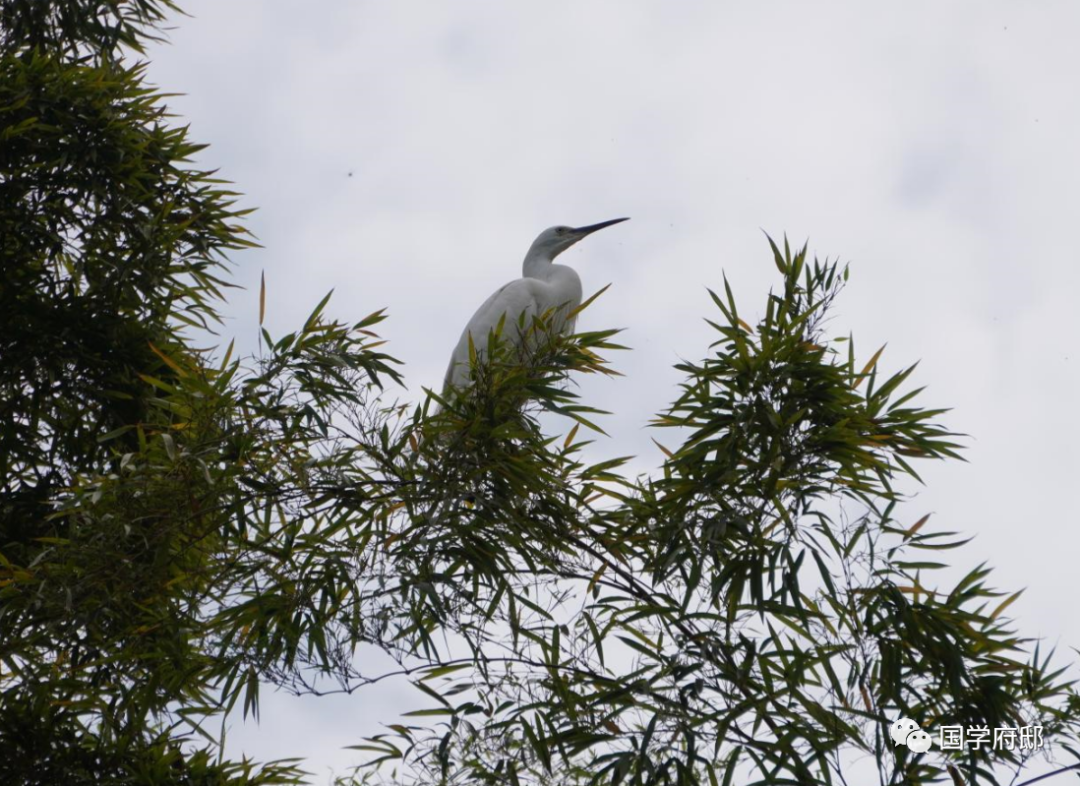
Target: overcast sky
{"points": [[406, 154]]}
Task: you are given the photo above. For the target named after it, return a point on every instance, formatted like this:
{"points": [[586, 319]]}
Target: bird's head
{"points": [[554, 240]]}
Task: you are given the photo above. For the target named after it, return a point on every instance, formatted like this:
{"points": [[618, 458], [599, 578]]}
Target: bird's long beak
{"points": [[581, 232]]}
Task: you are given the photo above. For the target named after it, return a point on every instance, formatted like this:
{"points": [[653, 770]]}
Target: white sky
{"points": [[931, 145]]}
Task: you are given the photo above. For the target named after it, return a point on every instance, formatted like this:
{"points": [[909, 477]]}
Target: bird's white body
{"points": [[544, 285], [560, 288]]}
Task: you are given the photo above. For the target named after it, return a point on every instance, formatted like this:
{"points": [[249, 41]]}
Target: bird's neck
{"points": [[538, 264]]}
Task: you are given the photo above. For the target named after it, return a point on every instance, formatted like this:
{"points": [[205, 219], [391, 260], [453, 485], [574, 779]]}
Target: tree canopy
{"points": [[179, 526]]}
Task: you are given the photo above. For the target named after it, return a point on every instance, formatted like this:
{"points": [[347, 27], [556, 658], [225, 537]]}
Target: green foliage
{"points": [[75, 29], [178, 528], [110, 248], [673, 630]]}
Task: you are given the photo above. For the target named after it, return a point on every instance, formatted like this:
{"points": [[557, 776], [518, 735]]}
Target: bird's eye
{"points": [[561, 231]]}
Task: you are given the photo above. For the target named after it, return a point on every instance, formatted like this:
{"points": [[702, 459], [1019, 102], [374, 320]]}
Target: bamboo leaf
{"points": [[866, 369], [1005, 604], [168, 360]]}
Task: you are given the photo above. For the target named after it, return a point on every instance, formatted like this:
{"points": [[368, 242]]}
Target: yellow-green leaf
{"points": [[869, 366], [1005, 604]]}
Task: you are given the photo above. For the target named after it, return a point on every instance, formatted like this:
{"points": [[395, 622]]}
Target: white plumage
{"points": [[544, 285]]}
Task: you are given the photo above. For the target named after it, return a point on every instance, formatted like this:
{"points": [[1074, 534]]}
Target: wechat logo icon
{"points": [[905, 731]]}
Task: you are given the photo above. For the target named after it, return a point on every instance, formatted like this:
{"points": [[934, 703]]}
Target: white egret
{"points": [[543, 285]]}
